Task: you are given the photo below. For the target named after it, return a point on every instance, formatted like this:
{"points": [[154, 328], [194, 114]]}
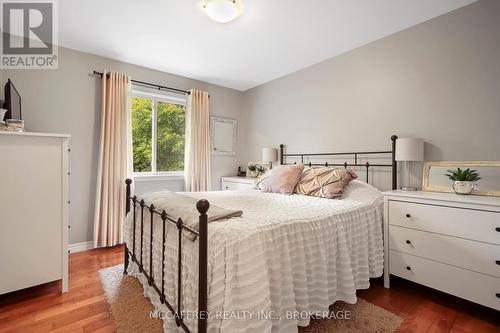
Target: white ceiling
{"points": [[271, 38]]}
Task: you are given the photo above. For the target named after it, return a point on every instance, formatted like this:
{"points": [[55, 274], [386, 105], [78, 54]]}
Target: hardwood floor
{"points": [[427, 310], [84, 308]]}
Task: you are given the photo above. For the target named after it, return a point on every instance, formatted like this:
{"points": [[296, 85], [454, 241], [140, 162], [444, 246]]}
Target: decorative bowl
{"points": [[463, 187]]}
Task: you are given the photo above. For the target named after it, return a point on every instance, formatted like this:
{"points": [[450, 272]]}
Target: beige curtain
{"points": [[197, 150], [115, 159]]}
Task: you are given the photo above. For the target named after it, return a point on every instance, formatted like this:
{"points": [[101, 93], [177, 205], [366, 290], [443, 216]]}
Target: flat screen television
{"points": [[12, 102]]}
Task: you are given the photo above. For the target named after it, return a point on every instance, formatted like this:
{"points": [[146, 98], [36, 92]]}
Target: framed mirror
{"points": [[223, 133], [435, 179]]}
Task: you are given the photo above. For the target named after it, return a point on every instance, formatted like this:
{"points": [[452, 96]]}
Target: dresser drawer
{"points": [[229, 185], [476, 287], [465, 223], [476, 256]]}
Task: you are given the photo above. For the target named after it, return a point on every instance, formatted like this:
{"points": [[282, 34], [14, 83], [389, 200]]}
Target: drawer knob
{"points": [[408, 268], [408, 215], [408, 241], [497, 262], [498, 295], [497, 229]]}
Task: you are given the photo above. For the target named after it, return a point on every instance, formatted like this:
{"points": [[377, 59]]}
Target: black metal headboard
{"points": [[355, 155]]}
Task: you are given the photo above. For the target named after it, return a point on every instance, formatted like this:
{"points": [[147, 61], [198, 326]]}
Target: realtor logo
{"points": [[29, 34]]}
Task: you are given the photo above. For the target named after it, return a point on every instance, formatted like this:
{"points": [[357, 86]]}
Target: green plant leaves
{"points": [[466, 175]]}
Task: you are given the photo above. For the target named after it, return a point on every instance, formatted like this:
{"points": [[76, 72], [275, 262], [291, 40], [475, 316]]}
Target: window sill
{"points": [[144, 177]]}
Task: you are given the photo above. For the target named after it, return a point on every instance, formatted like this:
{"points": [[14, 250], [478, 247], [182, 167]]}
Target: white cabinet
{"points": [[444, 241], [33, 210], [237, 183]]}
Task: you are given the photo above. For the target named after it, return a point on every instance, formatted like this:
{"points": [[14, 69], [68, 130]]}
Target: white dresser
{"points": [[445, 241], [33, 210], [237, 183]]}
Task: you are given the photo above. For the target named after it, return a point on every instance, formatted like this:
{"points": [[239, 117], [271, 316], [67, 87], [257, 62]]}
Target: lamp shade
{"points": [[269, 154], [409, 149]]}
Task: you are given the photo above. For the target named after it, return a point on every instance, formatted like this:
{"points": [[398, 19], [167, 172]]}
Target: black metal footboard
{"points": [[202, 236]]}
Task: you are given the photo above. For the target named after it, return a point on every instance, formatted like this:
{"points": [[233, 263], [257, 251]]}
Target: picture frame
{"points": [[433, 179], [223, 136]]}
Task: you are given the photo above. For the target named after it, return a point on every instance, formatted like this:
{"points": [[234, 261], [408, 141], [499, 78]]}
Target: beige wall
{"points": [[67, 100], [439, 80]]}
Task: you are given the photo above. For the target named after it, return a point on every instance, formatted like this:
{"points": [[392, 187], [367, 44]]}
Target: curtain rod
{"points": [[152, 85]]}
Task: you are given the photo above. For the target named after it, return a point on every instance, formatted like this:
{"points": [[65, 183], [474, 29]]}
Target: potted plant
{"points": [[464, 181], [252, 170], [261, 170]]}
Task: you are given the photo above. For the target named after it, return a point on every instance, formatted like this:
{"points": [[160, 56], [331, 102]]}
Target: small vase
{"points": [[463, 187]]}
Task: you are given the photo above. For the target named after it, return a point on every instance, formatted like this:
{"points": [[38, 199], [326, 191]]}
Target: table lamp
{"points": [[408, 150], [269, 155]]}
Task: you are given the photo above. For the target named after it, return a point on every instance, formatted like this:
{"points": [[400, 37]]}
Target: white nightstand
{"points": [[445, 241], [237, 183]]}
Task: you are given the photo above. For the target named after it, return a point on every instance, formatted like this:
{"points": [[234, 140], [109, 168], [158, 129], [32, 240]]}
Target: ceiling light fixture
{"points": [[222, 11]]}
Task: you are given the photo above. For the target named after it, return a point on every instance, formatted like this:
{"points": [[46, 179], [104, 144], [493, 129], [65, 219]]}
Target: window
{"points": [[157, 134]]}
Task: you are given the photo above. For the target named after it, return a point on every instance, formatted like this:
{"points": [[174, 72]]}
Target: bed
{"points": [[285, 259]]}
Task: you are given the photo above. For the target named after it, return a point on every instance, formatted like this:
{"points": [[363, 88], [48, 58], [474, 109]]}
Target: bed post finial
{"points": [[282, 146], [203, 206], [394, 163]]}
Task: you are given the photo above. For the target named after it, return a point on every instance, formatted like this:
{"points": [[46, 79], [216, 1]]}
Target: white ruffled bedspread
{"points": [[287, 255]]}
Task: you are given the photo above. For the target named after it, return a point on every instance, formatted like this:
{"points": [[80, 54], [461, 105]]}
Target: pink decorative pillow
{"points": [[282, 179]]}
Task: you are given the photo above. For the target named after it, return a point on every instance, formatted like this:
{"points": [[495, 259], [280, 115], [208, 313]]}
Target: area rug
{"points": [[131, 310]]}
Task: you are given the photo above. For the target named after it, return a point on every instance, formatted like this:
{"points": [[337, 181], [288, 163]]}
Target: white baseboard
{"points": [[79, 247]]}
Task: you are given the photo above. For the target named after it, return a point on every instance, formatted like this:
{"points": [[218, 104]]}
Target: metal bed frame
{"points": [[355, 156], [202, 235]]}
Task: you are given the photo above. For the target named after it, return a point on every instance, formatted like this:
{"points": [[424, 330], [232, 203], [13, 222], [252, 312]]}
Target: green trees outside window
{"points": [[162, 149], [170, 137]]}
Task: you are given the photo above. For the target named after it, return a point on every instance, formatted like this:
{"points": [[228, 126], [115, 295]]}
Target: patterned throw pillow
{"points": [[324, 182], [263, 180], [282, 179]]}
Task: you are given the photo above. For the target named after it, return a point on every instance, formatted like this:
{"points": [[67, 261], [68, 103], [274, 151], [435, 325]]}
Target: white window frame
{"points": [[155, 97]]}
